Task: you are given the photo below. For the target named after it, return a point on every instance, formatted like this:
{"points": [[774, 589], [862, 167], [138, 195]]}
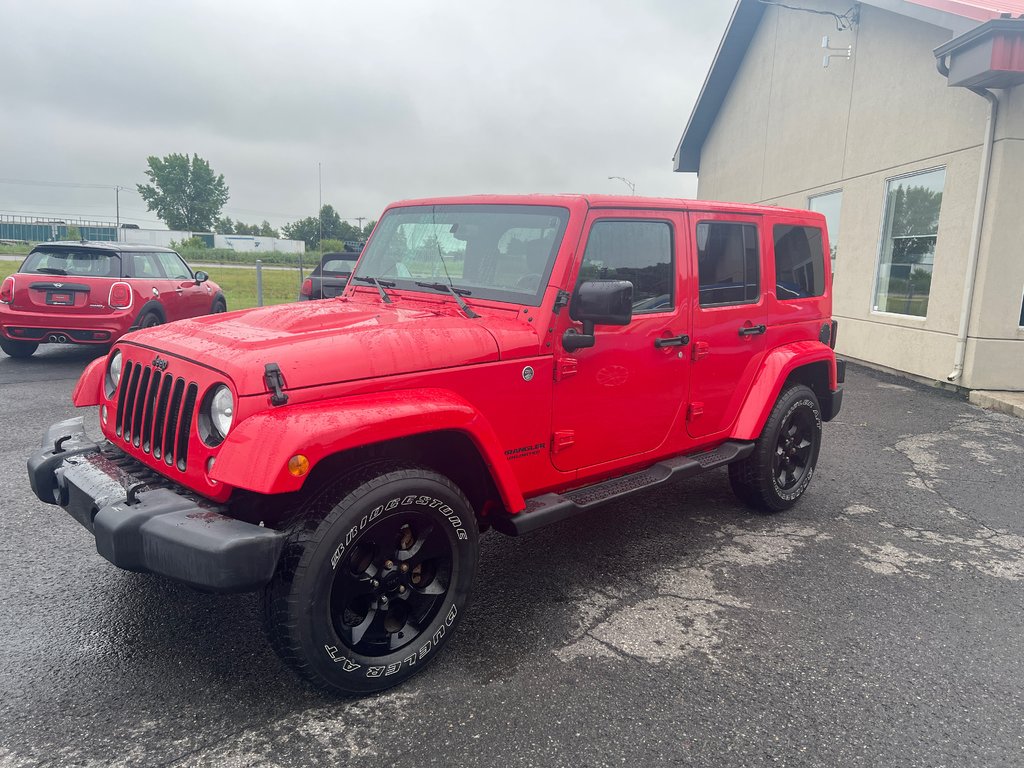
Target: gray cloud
{"points": [[396, 99]]}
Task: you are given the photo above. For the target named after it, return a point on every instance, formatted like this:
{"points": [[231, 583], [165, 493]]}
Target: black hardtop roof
{"points": [[99, 245]]}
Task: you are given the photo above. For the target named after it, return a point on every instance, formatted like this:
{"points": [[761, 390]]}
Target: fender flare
{"points": [[775, 367], [152, 305], [255, 453], [218, 295], [89, 389]]}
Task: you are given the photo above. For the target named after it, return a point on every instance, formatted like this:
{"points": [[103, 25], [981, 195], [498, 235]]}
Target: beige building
{"points": [[881, 132]]}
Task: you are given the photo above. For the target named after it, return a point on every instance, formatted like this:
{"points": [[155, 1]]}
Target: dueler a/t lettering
{"points": [[499, 362]]}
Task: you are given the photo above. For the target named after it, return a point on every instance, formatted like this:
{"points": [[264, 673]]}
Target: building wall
{"points": [[790, 129]]}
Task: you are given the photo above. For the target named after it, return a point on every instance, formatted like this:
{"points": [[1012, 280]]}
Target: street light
{"points": [[627, 182]]}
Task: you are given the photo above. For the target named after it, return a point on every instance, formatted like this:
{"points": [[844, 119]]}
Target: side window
{"points": [[173, 267], [728, 263], [637, 251], [799, 262], [144, 265]]}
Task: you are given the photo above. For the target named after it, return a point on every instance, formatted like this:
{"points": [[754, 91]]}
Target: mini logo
{"points": [[58, 285], [160, 363], [528, 373]]}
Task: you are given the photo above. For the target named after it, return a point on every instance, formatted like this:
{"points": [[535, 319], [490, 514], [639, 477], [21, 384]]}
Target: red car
{"points": [[503, 362], [94, 293]]}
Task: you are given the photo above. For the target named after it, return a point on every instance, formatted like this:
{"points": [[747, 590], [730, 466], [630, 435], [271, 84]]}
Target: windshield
{"points": [[73, 261], [501, 252]]}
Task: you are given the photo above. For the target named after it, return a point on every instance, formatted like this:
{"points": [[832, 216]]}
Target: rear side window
{"points": [[799, 262], [637, 251], [338, 266], [73, 262], [728, 263]]}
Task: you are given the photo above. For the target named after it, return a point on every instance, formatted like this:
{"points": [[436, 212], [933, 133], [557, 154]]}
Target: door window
{"points": [[144, 265], [173, 267], [637, 251], [728, 263]]}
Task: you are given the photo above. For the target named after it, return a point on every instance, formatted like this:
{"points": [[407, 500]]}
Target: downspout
{"points": [[980, 205]]}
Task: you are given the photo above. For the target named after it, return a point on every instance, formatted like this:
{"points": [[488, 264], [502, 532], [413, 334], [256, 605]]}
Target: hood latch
{"points": [[275, 383]]}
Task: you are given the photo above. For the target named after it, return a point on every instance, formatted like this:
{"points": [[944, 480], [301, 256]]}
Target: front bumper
{"points": [[142, 522]]}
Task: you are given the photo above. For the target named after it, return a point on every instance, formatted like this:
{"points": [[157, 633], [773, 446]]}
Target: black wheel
{"points": [[374, 577], [779, 470], [219, 305], [151, 319], [18, 348]]}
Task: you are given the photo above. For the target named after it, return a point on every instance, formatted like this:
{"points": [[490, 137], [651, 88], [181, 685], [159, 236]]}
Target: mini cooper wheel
{"points": [[219, 305], [151, 319], [18, 348], [373, 579], [779, 470]]}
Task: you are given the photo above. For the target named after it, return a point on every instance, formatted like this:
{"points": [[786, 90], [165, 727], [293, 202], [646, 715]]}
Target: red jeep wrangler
{"points": [[343, 456]]}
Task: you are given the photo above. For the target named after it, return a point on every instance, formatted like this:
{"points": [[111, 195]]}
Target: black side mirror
{"points": [[598, 302], [201, 277]]}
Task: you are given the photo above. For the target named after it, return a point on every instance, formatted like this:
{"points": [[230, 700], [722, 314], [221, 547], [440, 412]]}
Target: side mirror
{"points": [[598, 302], [201, 277]]}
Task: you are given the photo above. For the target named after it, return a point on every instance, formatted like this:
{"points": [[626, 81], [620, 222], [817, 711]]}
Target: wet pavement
{"points": [[877, 623]]}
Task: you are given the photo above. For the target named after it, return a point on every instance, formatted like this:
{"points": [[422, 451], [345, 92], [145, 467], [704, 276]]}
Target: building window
{"points": [[799, 262], [637, 251], [728, 263], [905, 264], [828, 205], [1022, 313]]}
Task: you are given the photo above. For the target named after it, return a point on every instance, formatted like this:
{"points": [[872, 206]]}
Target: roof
{"points": [[104, 245], [959, 16]]}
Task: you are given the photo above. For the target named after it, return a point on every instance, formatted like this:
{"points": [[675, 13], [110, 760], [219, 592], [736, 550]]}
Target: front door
{"points": [[729, 319], [621, 397]]}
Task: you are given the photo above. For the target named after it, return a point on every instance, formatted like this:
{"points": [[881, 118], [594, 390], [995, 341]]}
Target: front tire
{"points": [[21, 349], [779, 470], [373, 580]]}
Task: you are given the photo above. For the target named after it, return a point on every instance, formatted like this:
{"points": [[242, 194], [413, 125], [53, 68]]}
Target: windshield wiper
{"points": [[51, 271], [379, 285], [457, 294]]}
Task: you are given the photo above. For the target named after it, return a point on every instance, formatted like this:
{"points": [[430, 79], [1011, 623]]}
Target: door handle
{"points": [[755, 330], [672, 341], [179, 290]]}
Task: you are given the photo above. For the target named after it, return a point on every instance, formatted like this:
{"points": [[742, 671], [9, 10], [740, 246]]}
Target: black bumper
{"points": [[150, 529], [833, 401]]}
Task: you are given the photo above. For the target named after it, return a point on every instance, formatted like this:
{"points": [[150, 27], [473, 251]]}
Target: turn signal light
{"points": [[298, 465], [120, 296], [307, 287], [7, 291]]}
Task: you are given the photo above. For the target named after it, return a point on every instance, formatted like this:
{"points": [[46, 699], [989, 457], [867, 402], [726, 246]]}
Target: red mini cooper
{"points": [[94, 293]]}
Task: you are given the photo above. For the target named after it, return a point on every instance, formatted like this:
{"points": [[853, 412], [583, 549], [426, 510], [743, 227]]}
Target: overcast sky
{"points": [[396, 99]]}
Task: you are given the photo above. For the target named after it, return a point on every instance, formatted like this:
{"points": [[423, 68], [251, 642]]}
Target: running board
{"points": [[553, 507]]}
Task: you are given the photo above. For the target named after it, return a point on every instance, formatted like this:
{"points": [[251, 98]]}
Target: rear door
{"points": [[729, 319]]}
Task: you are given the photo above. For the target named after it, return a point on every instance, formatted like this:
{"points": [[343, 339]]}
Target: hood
{"points": [[317, 343]]}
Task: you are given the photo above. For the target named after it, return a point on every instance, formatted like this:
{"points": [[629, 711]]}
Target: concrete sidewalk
{"points": [[1011, 403]]}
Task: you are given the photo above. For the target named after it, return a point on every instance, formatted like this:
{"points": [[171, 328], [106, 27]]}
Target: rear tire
{"points": [[779, 470], [374, 577], [19, 349], [150, 320]]}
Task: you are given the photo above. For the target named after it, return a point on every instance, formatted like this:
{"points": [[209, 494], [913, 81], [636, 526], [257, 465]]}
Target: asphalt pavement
{"points": [[878, 623]]}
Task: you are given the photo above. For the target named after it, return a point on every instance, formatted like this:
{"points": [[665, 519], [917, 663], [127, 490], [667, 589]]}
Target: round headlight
{"points": [[113, 373], [222, 410]]}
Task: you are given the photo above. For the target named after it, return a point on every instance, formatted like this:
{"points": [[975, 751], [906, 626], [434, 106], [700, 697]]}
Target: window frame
{"points": [[760, 292], [673, 260], [882, 237]]}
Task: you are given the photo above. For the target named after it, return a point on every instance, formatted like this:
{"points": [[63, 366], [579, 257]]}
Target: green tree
{"points": [[267, 231], [185, 193], [73, 233], [224, 226]]}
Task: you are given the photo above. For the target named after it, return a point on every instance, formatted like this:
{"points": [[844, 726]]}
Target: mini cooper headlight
{"points": [[222, 410], [113, 373]]}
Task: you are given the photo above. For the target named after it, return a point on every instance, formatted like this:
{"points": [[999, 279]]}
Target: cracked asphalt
{"points": [[878, 623]]}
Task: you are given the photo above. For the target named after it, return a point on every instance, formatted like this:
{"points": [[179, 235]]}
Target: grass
{"points": [[280, 286]]}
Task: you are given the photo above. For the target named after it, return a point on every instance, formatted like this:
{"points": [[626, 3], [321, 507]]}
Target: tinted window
{"points": [[637, 251], [340, 265], [728, 263], [70, 261], [173, 267], [799, 262]]}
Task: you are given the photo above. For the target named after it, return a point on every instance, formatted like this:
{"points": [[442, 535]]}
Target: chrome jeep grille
{"points": [[155, 411]]}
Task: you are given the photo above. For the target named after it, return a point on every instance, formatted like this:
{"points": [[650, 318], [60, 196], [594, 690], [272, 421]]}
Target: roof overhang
{"points": [[989, 56]]}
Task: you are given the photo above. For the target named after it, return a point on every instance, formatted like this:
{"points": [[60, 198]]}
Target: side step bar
{"points": [[551, 508]]}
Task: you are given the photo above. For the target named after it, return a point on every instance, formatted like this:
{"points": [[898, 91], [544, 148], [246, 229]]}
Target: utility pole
{"points": [[117, 210]]}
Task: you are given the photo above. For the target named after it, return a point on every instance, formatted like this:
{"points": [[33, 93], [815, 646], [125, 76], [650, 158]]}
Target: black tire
{"points": [[149, 320], [20, 349], [374, 577], [779, 470], [219, 305]]}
